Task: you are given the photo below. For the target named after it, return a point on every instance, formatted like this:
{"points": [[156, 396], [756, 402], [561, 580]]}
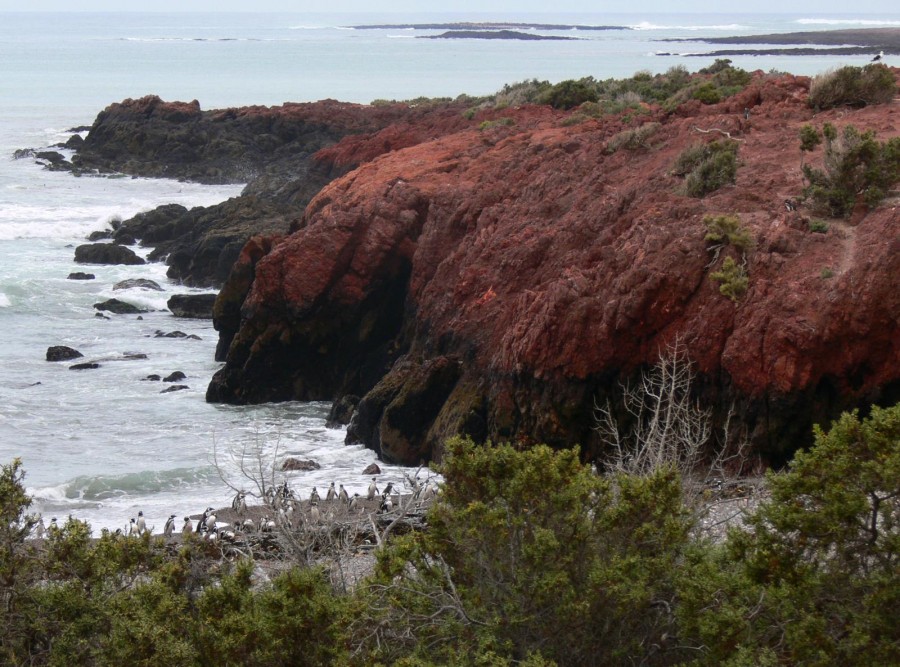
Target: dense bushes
{"points": [[707, 167], [531, 558], [853, 86], [857, 167]]}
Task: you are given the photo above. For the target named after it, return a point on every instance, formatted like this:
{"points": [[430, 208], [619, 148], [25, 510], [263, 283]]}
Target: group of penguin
{"points": [[282, 500]]}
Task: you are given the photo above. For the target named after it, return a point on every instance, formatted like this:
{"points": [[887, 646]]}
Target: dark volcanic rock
{"points": [[495, 34], [138, 283], [62, 353], [100, 235], [119, 307], [275, 149], [499, 282], [197, 306], [176, 334], [84, 367], [371, 469], [106, 253], [174, 387], [305, 465], [342, 411], [153, 377], [78, 275], [174, 377]]}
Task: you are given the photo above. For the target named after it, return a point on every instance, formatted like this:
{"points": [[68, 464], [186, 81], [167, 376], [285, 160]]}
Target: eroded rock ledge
{"points": [[497, 281]]}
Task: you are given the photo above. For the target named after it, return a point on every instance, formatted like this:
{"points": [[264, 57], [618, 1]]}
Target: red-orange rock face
{"points": [[545, 269]]}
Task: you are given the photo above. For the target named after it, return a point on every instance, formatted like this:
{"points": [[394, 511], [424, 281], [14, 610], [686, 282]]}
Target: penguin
{"points": [[343, 495], [187, 528], [354, 502], [373, 489], [314, 496], [141, 524], [388, 489], [239, 504], [53, 525], [332, 494], [170, 526], [386, 504], [429, 492], [39, 528], [132, 528], [314, 515], [210, 520]]}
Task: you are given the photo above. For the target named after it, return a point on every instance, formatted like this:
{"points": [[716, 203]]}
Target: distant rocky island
{"points": [[819, 42], [496, 34], [469, 26]]}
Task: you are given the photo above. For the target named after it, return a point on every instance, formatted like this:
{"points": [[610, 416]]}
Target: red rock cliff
{"points": [[497, 279]]}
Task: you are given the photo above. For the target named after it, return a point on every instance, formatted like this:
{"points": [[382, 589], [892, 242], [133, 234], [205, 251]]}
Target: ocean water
{"points": [[102, 444]]}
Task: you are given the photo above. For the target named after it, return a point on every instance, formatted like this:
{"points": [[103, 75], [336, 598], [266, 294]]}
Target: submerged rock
{"points": [[196, 306], [78, 275], [119, 307], [140, 283], [62, 353], [174, 387], [106, 253], [85, 366], [292, 463]]}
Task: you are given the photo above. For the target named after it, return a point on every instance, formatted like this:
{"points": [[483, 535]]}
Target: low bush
{"points": [[727, 229], [732, 278], [570, 94], [853, 86], [857, 167], [633, 139], [707, 167]]}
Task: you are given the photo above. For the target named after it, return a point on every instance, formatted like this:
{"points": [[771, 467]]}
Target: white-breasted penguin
{"points": [[332, 494], [314, 515], [342, 494], [141, 524], [187, 528], [170, 526], [373, 489], [314, 496], [354, 502]]}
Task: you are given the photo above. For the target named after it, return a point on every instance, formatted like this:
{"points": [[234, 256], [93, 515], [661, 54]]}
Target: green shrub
{"points": [[530, 553], [732, 278], [499, 122], [633, 139], [853, 86], [724, 229], [856, 166], [707, 167], [570, 94], [822, 557], [827, 273], [818, 226], [707, 93]]}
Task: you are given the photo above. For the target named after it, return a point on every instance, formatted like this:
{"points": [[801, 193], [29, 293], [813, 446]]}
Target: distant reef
{"points": [[859, 41], [495, 34], [469, 26]]}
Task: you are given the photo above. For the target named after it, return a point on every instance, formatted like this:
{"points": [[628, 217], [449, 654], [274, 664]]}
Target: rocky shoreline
{"points": [[439, 268]]}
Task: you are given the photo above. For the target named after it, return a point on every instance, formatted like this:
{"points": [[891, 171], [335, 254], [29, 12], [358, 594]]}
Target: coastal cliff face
{"points": [[500, 278]]}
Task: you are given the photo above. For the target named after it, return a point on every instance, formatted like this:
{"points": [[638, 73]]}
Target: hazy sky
{"points": [[418, 6]]}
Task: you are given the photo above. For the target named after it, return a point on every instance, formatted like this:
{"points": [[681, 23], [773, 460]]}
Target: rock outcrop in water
{"points": [[269, 148], [497, 280]]}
